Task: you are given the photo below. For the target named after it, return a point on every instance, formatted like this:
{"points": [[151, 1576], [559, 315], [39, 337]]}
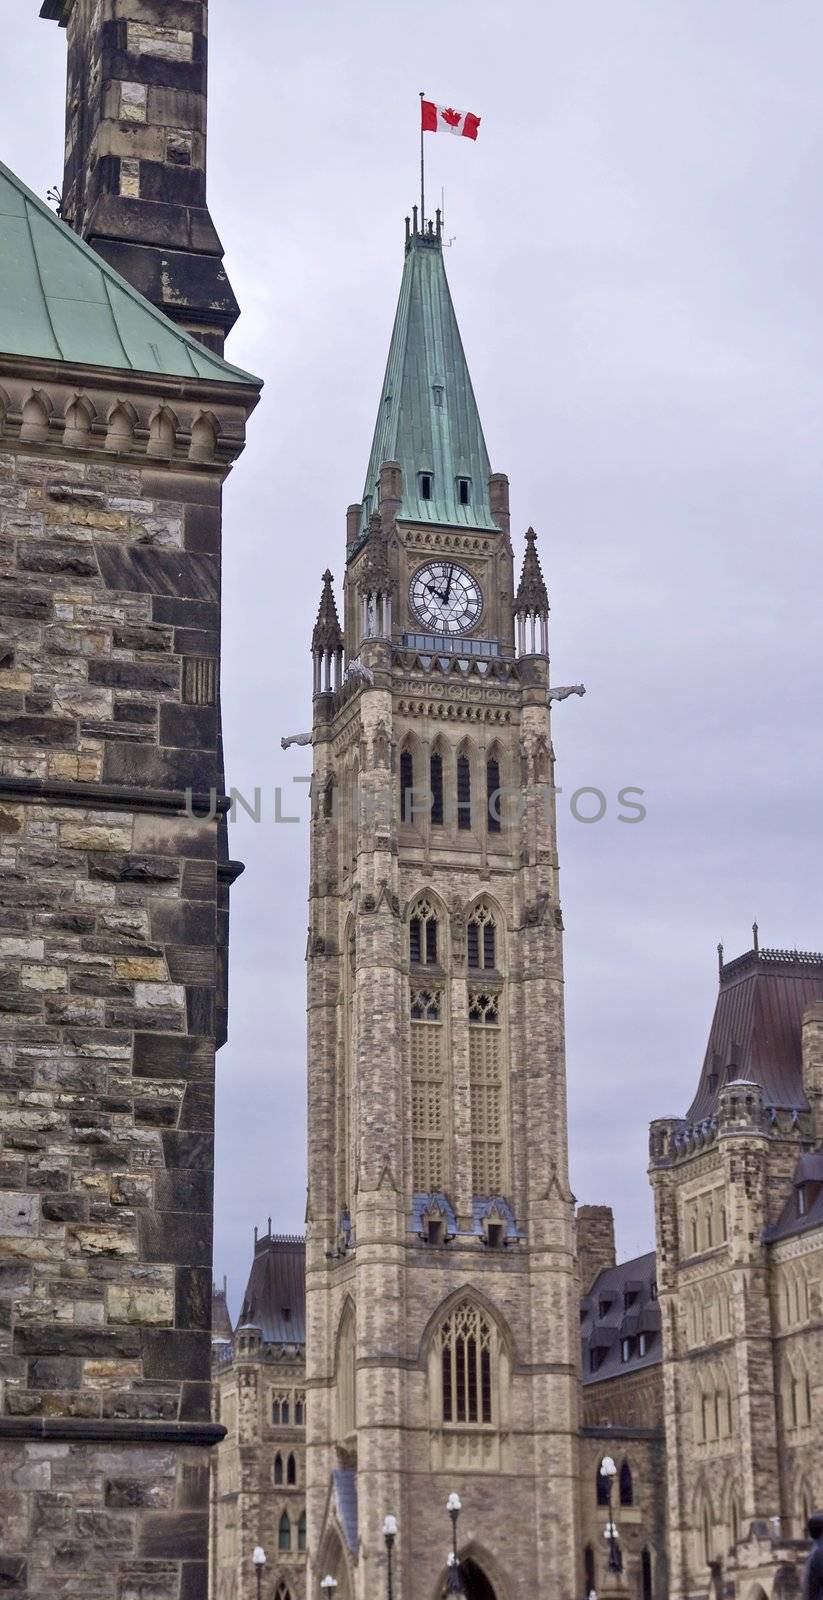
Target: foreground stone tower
{"points": [[442, 1303], [118, 429], [134, 184]]}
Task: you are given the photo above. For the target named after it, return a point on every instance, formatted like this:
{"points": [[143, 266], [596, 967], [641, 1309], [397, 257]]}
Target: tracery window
{"points": [[280, 1410], [464, 792], [466, 1355], [423, 934], [486, 1093], [301, 1531], [428, 1091], [480, 938], [299, 1409], [284, 1532]]}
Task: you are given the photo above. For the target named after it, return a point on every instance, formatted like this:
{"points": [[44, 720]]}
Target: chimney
{"points": [[134, 184], [595, 1243]]}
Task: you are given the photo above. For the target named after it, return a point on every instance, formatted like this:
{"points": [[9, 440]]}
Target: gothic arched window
{"points": [[423, 935], [602, 1487], [291, 1470], [428, 1091], [493, 795], [346, 1375], [646, 1575], [436, 787], [589, 1569], [282, 1592], [278, 1468], [284, 1532], [626, 1485], [299, 1409], [464, 792], [480, 938], [301, 1531], [466, 1356], [486, 1094], [406, 786]]}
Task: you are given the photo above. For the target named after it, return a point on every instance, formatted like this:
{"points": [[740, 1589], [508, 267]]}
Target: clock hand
{"points": [[448, 586]]}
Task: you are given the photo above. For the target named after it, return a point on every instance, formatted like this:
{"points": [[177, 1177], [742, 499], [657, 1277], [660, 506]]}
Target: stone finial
{"points": [[327, 634], [531, 595]]}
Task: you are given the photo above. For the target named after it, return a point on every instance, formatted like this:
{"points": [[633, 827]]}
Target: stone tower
{"points": [[118, 430], [742, 1380], [134, 184], [442, 1303]]}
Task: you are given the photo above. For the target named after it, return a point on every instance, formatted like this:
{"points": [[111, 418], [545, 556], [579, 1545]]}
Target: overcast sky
{"points": [[636, 270]]}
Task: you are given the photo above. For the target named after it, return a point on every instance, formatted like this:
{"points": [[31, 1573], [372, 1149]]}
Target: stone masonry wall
{"points": [[109, 606]]}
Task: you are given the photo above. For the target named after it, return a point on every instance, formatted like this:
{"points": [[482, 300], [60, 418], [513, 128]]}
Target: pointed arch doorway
{"points": [[475, 1583]]}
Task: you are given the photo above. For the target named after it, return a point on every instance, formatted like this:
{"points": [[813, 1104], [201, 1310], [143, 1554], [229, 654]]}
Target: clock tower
{"points": [[442, 1299]]}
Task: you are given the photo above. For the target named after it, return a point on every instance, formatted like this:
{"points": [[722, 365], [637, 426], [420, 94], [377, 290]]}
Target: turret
{"points": [[327, 642], [531, 605], [374, 585]]}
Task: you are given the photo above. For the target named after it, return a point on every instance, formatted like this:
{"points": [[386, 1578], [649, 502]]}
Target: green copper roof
{"points": [[60, 301], [428, 419]]}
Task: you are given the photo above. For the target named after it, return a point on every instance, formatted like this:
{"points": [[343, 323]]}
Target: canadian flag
{"points": [[444, 119]]}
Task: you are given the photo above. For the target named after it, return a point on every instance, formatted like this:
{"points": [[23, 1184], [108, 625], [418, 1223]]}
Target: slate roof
{"points": [[428, 419], [60, 301], [756, 1030], [275, 1298], [621, 1304]]}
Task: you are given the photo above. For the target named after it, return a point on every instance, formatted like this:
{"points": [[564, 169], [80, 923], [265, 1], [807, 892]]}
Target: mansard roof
{"points": [[275, 1298], [621, 1304], [808, 1177], [60, 301], [428, 420], [756, 1029]]}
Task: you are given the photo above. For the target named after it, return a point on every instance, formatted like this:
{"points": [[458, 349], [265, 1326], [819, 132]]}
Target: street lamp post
{"points": [[328, 1586], [608, 1472], [389, 1534], [455, 1585], [259, 1559]]}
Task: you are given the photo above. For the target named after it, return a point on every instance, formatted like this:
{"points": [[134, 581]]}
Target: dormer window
{"points": [[426, 486], [626, 1349], [464, 490], [495, 1235], [802, 1204], [435, 1231], [604, 1307]]}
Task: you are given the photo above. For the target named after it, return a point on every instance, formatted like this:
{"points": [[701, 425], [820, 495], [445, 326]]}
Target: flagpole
{"points": [[422, 170]]}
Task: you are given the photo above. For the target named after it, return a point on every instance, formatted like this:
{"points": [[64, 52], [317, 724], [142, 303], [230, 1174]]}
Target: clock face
{"points": [[445, 598]]}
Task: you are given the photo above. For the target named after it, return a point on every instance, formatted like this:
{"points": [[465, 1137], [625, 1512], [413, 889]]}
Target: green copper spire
{"points": [[428, 419]]}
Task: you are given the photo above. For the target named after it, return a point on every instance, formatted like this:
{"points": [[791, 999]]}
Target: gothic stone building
{"points": [[738, 1189], [117, 429], [704, 1387]]}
